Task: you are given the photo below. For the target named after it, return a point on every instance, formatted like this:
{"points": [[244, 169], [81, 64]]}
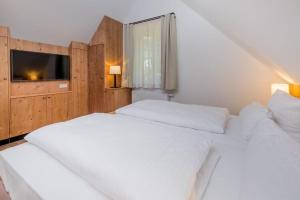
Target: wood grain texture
{"points": [[39, 112], [4, 31], [31, 113], [25, 45], [106, 49], [110, 34], [115, 98], [32, 88], [96, 78], [57, 108], [79, 80], [4, 83], [21, 116]]}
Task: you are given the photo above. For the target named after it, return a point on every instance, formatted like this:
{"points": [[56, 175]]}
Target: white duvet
{"points": [[205, 118], [126, 158]]}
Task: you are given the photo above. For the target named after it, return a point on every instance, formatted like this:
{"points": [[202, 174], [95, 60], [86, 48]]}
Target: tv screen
{"points": [[32, 66]]}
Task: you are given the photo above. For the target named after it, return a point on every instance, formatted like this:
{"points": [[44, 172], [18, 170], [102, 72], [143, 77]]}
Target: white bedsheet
{"points": [[31, 174], [226, 179], [147, 161], [36, 175], [205, 118]]}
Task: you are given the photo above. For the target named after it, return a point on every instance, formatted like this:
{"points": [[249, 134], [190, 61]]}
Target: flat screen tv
{"points": [[32, 66]]}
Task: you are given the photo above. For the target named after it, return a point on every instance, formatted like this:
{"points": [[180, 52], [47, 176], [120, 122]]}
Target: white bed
{"points": [[29, 171]]}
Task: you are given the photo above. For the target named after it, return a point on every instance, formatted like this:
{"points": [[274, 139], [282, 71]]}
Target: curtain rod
{"points": [[150, 19]]}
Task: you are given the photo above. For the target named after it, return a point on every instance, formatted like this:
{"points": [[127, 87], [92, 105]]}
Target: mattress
{"points": [[225, 181], [29, 173]]}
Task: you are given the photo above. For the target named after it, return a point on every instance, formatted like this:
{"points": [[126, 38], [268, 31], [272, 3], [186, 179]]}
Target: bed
{"points": [[192, 160]]}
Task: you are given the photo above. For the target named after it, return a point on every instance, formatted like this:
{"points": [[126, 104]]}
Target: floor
{"points": [[11, 144], [3, 194]]}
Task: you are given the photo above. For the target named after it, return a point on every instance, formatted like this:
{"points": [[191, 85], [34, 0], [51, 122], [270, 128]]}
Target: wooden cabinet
{"points": [[4, 83], [103, 99], [31, 113], [115, 98], [39, 111], [96, 78], [79, 83], [57, 108], [21, 116]]}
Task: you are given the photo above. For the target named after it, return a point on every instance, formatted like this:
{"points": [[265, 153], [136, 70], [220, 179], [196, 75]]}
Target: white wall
{"points": [[58, 21], [269, 30], [213, 70]]}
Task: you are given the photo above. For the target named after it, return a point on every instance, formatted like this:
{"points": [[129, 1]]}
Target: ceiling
{"points": [[268, 29], [58, 21]]}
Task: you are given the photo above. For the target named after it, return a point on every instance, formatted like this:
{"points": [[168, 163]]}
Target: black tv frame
{"points": [[12, 67]]}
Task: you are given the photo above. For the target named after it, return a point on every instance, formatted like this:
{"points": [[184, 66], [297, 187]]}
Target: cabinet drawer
{"points": [[34, 88]]}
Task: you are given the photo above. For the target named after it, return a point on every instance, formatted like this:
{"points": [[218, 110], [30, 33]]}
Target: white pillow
{"points": [[272, 167], [198, 117], [250, 116], [286, 111]]}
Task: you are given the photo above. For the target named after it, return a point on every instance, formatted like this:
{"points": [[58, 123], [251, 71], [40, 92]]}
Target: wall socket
{"points": [[63, 85]]}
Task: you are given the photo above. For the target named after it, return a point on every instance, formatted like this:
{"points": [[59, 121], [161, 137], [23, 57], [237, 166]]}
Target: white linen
{"points": [[146, 52], [197, 117], [31, 174], [147, 161], [286, 111], [250, 116], [272, 168], [226, 180], [204, 175]]}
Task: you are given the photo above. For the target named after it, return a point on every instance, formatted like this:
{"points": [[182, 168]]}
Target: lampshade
{"points": [[282, 87], [295, 90], [115, 70]]}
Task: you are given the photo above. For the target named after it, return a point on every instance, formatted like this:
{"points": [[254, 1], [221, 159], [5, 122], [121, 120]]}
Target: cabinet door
{"points": [[27, 114], [4, 89], [122, 97], [39, 111], [21, 116], [96, 78], [57, 108], [79, 66], [109, 100]]}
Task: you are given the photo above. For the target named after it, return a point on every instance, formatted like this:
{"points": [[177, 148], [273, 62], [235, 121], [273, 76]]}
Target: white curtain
{"points": [[147, 55], [169, 53], [127, 70]]}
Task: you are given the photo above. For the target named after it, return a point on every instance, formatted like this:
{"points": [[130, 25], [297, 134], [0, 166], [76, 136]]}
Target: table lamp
{"points": [[115, 70]]}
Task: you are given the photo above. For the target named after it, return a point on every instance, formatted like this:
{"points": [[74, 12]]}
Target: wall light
{"points": [[282, 87], [295, 90]]}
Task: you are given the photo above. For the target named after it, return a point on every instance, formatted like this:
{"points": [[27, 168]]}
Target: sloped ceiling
{"points": [[58, 21], [269, 29]]}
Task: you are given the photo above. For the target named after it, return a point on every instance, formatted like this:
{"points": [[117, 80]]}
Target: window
{"points": [[147, 54]]}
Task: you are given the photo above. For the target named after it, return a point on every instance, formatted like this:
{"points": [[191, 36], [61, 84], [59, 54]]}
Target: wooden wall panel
{"points": [[96, 78], [34, 88], [110, 33], [4, 83], [79, 80], [25, 45]]}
